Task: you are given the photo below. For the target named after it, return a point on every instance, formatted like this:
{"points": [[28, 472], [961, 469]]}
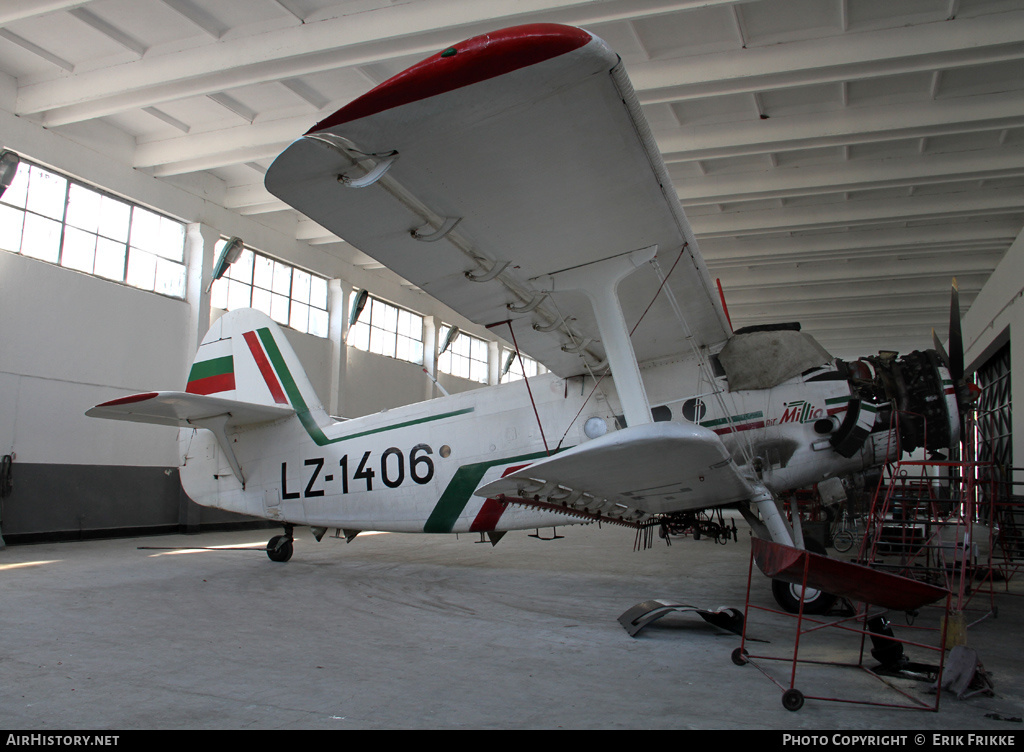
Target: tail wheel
{"points": [[280, 548]]}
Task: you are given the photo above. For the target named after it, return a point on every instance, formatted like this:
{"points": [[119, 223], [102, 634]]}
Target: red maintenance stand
{"points": [[871, 595]]}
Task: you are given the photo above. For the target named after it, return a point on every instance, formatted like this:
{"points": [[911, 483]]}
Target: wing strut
{"points": [[600, 281], [528, 389]]}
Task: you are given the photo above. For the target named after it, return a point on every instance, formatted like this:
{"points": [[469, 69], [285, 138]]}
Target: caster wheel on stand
{"points": [[792, 699]]}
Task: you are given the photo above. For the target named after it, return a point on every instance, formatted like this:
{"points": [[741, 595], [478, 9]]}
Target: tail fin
{"points": [[245, 357], [245, 373], [244, 366]]}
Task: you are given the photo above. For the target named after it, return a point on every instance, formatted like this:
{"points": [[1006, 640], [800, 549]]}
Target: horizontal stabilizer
{"points": [[656, 468], [184, 409]]}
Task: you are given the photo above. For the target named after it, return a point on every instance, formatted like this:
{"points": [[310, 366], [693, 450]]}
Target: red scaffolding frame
{"points": [[921, 525], [856, 583]]}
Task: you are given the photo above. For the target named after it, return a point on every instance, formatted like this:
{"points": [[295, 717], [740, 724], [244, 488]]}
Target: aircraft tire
{"points": [[280, 548], [788, 596]]}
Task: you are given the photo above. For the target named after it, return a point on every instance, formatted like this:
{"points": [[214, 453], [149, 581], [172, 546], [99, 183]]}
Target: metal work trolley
{"points": [[874, 591]]}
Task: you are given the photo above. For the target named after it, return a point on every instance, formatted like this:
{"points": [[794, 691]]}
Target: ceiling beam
{"points": [[843, 127], [254, 137], [110, 31], [354, 39], [863, 125], [842, 214], [834, 59], [22, 9], [877, 295], [180, 154], [35, 49], [841, 272], [722, 252], [855, 175]]}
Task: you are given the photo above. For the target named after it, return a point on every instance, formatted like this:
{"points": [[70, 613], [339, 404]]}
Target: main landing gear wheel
{"points": [[280, 547], [788, 595]]}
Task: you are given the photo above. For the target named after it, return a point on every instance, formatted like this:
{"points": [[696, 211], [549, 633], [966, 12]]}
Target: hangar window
{"points": [[54, 218], [466, 356], [516, 370], [388, 330], [289, 295]]}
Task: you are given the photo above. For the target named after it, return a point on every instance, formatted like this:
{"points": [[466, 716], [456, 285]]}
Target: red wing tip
{"points": [[464, 63], [129, 400]]}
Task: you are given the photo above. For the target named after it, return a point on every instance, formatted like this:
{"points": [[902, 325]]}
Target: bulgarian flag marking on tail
{"points": [[212, 376]]}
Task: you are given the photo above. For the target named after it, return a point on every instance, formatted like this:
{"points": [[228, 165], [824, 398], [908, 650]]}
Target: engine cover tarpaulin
{"points": [[763, 359]]}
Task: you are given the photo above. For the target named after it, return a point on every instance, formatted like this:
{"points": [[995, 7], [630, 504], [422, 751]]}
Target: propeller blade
{"points": [[943, 356], [956, 338]]}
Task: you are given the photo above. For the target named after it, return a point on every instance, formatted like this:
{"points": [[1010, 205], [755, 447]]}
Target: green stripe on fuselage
{"points": [[460, 490], [302, 409], [731, 419]]}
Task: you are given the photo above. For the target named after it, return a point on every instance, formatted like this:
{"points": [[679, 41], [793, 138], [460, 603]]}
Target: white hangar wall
{"points": [[996, 320], [70, 340]]}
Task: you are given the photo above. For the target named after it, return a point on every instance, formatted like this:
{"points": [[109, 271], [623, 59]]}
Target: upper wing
{"points": [[520, 153], [632, 473]]}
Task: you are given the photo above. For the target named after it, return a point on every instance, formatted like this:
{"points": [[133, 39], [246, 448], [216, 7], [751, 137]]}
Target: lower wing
{"points": [[632, 474]]}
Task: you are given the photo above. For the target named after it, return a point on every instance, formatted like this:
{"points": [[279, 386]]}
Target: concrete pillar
{"points": [[493, 362], [339, 292], [431, 326], [200, 242]]}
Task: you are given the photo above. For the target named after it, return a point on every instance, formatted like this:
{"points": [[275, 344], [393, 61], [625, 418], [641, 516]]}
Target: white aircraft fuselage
{"points": [[416, 468]]}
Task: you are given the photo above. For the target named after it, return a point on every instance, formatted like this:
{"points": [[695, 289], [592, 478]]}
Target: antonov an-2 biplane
{"points": [[514, 178]]}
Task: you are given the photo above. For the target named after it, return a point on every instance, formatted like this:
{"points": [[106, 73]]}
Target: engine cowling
{"points": [[919, 388]]}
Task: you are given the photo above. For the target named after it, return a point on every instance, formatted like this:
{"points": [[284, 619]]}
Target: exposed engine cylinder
{"points": [[915, 386]]}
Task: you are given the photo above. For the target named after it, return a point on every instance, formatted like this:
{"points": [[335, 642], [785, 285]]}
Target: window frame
{"points": [[242, 275], [447, 359], [369, 317], [531, 364], [94, 228]]}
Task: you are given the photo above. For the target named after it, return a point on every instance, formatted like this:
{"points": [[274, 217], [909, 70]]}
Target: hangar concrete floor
{"points": [[433, 632]]}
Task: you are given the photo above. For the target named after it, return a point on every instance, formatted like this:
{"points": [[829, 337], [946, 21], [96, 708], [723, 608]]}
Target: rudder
{"points": [[246, 357]]}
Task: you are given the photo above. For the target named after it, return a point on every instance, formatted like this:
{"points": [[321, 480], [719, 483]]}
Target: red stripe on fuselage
{"points": [[490, 513], [475, 60], [265, 368], [744, 427]]}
